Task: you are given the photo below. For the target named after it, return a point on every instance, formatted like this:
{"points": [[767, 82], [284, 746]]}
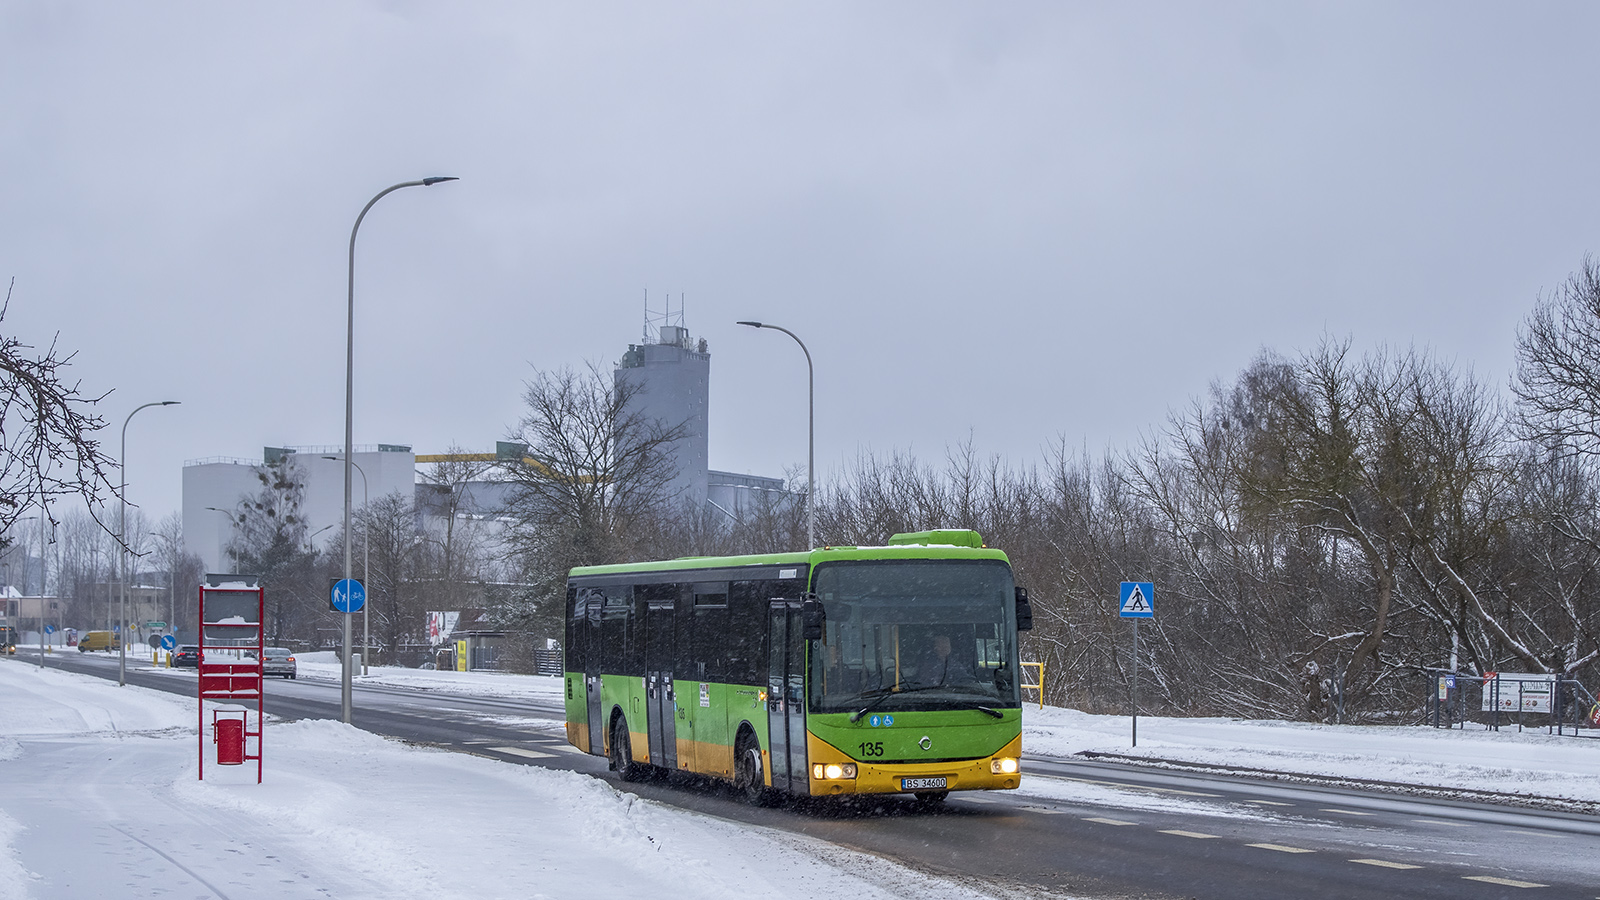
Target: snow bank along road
{"points": [[1077, 827]]}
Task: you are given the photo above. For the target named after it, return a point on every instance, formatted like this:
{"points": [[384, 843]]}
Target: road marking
{"points": [[1052, 812], [518, 751], [1385, 863], [1109, 821], [976, 799], [1348, 812], [1504, 882], [564, 748], [1265, 803], [1281, 848], [1176, 791], [1188, 834], [1136, 787], [1442, 822], [1535, 833]]}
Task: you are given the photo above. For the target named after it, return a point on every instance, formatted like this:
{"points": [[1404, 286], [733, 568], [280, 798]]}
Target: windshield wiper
{"points": [[993, 712], [882, 695]]}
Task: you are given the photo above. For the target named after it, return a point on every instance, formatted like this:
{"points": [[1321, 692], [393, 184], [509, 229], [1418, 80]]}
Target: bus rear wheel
{"points": [[622, 753]]}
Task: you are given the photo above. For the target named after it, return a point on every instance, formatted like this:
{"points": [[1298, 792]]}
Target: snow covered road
{"points": [[100, 799]]}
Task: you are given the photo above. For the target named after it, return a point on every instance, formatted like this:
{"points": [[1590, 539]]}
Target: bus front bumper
{"points": [[831, 772]]}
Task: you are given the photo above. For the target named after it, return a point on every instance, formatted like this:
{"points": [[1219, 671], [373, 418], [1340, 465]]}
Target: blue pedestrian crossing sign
{"points": [[348, 596], [1138, 600]]}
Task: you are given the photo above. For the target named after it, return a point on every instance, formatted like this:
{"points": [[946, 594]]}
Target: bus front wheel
{"points": [[749, 777]]}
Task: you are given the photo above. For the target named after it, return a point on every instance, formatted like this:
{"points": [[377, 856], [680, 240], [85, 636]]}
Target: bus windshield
{"points": [[915, 635]]}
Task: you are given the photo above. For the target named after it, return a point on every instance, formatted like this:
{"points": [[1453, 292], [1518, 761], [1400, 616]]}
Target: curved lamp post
{"points": [[349, 431], [811, 434], [122, 539]]}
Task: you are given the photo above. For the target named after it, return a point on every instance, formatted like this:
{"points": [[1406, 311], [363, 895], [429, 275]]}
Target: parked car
{"points": [[277, 661], [187, 657], [98, 640]]}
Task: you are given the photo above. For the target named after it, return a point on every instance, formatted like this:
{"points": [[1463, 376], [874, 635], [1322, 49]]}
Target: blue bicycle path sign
{"points": [[348, 595]]}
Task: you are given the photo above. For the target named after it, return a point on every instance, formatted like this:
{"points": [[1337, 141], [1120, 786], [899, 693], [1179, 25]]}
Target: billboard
{"points": [[440, 626]]}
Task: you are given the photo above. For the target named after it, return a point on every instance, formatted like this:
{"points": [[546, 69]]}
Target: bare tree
{"points": [[1558, 365], [270, 542], [47, 427], [596, 471]]}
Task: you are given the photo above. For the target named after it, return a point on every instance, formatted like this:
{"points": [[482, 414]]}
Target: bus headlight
{"points": [[833, 771], [1005, 765]]}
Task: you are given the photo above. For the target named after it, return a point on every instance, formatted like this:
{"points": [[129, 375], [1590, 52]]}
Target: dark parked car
{"points": [[277, 661], [187, 657]]}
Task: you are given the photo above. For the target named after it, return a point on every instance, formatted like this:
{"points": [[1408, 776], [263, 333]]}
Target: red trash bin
{"points": [[228, 734]]}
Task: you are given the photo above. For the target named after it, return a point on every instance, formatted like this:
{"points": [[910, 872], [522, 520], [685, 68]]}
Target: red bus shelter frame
{"points": [[232, 610]]}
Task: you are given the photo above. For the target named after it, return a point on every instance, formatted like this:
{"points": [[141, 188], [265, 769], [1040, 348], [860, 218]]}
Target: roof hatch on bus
{"points": [[946, 537]]}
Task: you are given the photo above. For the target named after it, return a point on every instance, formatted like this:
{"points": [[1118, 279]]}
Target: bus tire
{"points": [[622, 752], [749, 777]]}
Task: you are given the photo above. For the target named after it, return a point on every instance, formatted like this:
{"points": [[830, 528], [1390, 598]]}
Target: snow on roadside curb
{"points": [[1531, 763]]}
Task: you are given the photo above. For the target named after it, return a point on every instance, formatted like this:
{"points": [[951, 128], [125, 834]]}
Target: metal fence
{"points": [[1502, 700]]}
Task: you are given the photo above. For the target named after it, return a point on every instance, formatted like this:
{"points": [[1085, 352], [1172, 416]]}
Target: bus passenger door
{"points": [[786, 705], [660, 696], [597, 725], [586, 633]]}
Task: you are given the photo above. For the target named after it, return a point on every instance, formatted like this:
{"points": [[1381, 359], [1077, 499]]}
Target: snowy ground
{"points": [[98, 798], [1530, 763]]}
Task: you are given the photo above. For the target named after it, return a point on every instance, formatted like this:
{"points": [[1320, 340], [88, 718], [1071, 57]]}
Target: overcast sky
{"points": [[1018, 221]]}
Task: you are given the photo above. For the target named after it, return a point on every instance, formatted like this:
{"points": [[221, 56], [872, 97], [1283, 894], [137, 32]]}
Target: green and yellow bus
{"points": [[843, 670]]}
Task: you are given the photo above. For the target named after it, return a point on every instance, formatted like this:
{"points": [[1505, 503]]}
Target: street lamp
{"points": [[366, 560], [811, 428], [233, 523], [122, 538], [349, 428], [42, 517], [311, 538], [172, 583]]}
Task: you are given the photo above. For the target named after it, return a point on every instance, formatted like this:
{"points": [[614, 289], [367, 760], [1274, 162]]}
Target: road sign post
{"points": [[1137, 600], [347, 596]]}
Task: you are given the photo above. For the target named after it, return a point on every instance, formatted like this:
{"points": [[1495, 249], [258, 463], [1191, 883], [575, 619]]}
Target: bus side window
{"points": [[710, 630], [683, 668], [747, 629], [616, 604]]}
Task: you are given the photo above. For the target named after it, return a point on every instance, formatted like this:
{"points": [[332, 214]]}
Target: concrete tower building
{"points": [[671, 384]]}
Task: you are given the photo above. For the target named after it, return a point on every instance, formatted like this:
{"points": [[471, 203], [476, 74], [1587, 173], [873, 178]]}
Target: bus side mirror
{"points": [[1024, 610], [812, 618]]}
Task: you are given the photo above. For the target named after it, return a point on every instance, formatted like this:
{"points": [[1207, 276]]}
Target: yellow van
{"points": [[98, 640]]}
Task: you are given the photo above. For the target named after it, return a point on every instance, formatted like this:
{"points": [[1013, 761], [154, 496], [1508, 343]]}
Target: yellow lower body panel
{"points": [[888, 778]]}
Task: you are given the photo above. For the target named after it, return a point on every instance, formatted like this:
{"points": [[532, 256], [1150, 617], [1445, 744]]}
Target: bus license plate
{"points": [[923, 784]]}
